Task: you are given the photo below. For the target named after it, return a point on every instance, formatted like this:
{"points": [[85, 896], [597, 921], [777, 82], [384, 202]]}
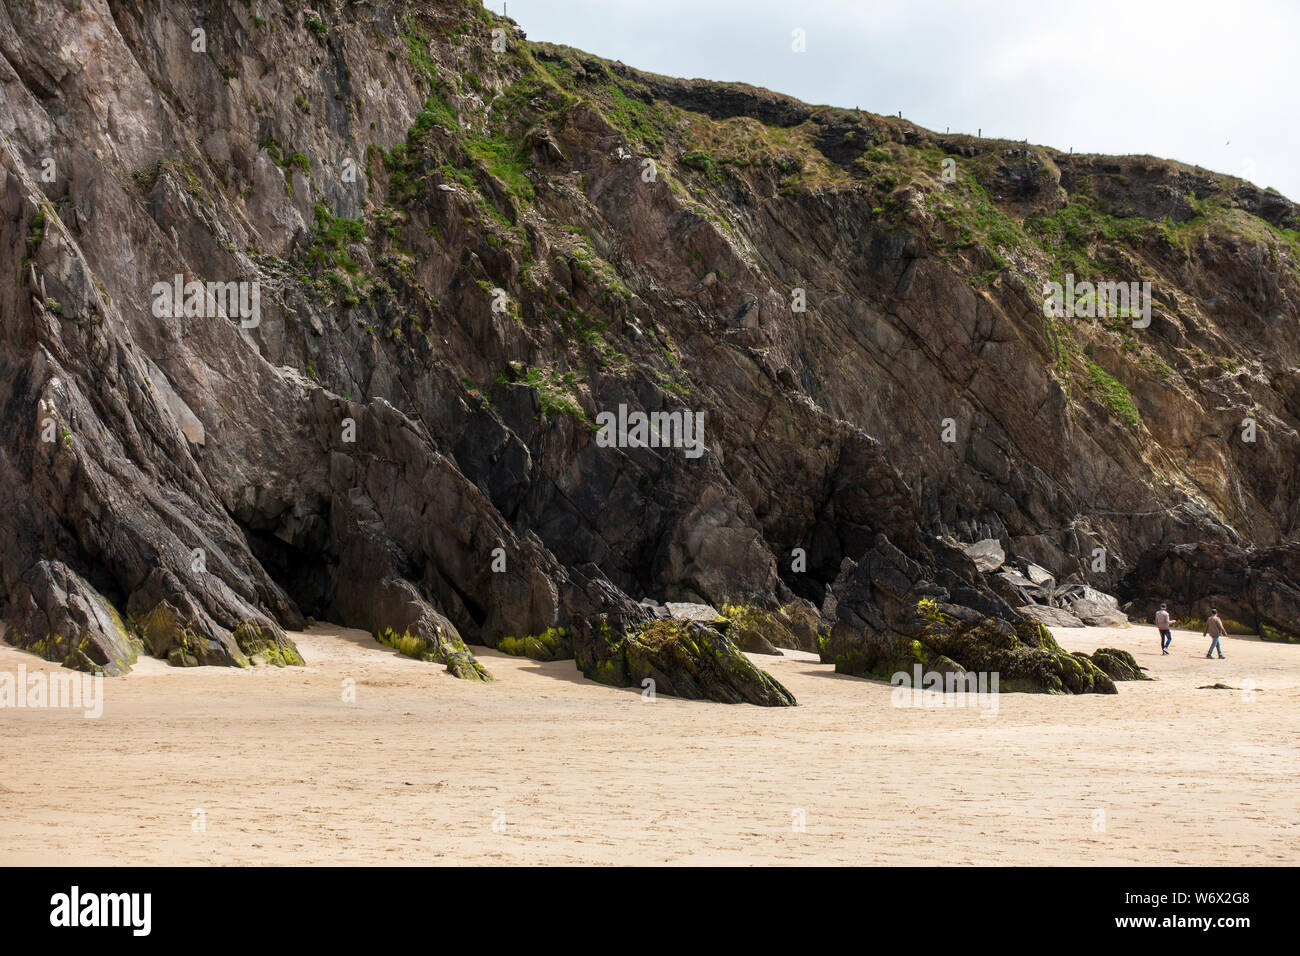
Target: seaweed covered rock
{"points": [[265, 643], [175, 638], [683, 658], [182, 641], [795, 625], [437, 648], [891, 614], [1118, 664], [552, 644], [1023, 655], [60, 617]]}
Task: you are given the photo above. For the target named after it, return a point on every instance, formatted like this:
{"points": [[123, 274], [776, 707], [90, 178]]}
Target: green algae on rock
{"points": [[795, 625], [1118, 664], [552, 644], [263, 642], [892, 614], [682, 658], [443, 650]]}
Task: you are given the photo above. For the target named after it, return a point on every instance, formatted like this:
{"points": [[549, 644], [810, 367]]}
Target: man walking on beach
{"points": [[1214, 627], [1164, 624]]}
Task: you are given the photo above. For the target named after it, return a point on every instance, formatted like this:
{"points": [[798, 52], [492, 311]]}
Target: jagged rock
{"points": [[1082, 592], [796, 625], [753, 642], [1014, 588], [1023, 659], [891, 614], [1097, 614], [1041, 582], [264, 643], [55, 613], [172, 635], [694, 612], [1051, 616], [657, 610], [804, 622], [684, 659], [1014, 578], [987, 554], [1039, 577]]}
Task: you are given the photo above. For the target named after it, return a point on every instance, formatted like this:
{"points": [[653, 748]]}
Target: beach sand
{"points": [[419, 768]]}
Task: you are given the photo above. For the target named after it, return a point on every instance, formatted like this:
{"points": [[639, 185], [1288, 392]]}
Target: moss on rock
{"points": [[449, 651], [552, 644], [259, 639], [792, 626], [684, 659], [1023, 654], [167, 634], [1117, 664], [73, 652], [1268, 632]]}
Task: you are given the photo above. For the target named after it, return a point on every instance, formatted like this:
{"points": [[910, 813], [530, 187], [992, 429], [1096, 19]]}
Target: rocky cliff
{"points": [[330, 310]]}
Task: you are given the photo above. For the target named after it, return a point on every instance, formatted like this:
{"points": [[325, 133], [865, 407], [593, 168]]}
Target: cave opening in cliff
{"points": [[304, 572]]}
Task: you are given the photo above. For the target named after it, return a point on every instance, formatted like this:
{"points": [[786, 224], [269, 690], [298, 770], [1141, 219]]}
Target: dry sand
{"points": [[414, 771]]}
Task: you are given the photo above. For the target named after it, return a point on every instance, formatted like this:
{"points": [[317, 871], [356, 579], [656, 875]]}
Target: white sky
{"points": [[1207, 83]]}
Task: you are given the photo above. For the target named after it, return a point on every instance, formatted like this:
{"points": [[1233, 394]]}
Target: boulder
{"points": [[892, 613], [1118, 664], [702, 613], [1014, 588], [1051, 616], [1014, 578], [1097, 614], [683, 657], [987, 554], [753, 642], [1039, 576], [796, 625], [1082, 592]]}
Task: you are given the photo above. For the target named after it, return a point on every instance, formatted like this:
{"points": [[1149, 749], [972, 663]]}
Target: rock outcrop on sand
{"points": [[891, 614], [1117, 664], [675, 656], [420, 268]]}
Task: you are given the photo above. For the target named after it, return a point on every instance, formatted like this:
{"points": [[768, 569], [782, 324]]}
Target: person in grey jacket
{"points": [[1164, 623], [1214, 627]]}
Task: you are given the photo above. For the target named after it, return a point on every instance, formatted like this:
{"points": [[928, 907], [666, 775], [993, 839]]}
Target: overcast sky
{"points": [[1208, 83]]}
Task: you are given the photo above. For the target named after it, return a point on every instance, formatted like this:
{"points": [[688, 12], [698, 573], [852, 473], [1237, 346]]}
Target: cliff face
{"points": [[468, 249]]}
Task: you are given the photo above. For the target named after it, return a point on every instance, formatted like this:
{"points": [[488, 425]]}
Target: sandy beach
{"points": [[543, 766]]}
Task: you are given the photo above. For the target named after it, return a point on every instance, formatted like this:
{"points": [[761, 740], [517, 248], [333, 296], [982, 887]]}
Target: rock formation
{"points": [[420, 258]]}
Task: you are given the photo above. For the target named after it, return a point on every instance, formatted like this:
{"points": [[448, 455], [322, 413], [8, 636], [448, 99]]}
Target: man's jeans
{"points": [[1166, 638], [1214, 646]]}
